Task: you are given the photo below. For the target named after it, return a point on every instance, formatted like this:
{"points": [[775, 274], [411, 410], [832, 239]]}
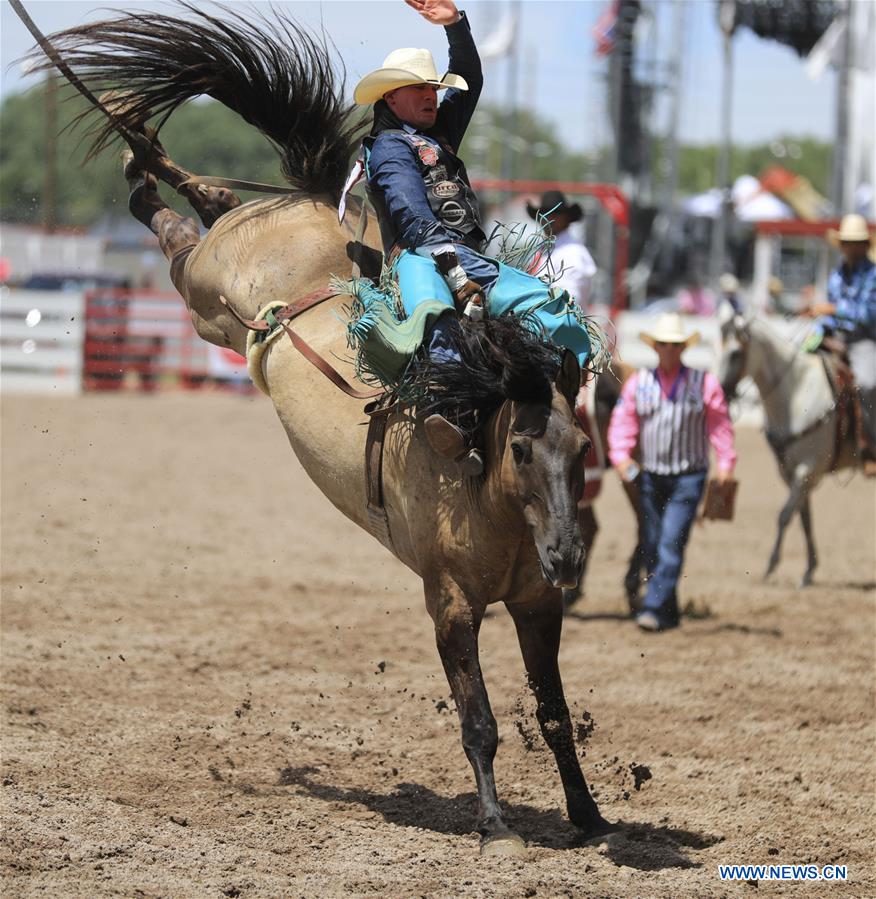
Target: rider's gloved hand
{"points": [[467, 295], [469, 300]]}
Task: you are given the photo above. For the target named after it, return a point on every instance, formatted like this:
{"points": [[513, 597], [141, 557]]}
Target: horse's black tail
{"points": [[276, 75]]}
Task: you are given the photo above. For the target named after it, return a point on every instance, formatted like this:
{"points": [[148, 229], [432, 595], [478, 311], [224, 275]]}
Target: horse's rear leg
{"points": [[811, 554], [795, 498], [208, 202], [175, 233], [538, 631], [456, 633]]}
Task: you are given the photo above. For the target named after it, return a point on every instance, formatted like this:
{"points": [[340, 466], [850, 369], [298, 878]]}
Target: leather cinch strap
{"points": [[378, 520], [283, 316]]}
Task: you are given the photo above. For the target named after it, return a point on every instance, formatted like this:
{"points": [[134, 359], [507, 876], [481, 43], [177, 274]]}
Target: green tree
{"points": [[697, 164], [205, 137]]}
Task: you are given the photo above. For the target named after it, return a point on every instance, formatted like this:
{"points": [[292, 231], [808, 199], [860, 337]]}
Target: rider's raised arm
{"points": [[457, 107]]}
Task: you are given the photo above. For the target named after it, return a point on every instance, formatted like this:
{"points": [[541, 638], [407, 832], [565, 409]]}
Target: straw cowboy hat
{"points": [[853, 229], [728, 283], [401, 69], [553, 202], [669, 329]]}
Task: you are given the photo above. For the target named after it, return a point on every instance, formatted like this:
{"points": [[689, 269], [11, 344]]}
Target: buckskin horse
{"points": [[510, 537]]}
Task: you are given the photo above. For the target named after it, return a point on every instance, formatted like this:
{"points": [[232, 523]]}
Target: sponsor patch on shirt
{"points": [[428, 154], [452, 214], [445, 189]]}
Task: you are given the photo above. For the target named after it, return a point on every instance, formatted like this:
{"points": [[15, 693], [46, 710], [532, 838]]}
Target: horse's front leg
{"points": [[538, 630], [456, 631]]}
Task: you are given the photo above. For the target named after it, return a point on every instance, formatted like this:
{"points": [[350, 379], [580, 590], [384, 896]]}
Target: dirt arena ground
{"points": [[214, 685]]}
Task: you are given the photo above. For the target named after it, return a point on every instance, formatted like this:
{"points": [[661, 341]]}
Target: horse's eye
{"points": [[518, 452], [586, 446]]}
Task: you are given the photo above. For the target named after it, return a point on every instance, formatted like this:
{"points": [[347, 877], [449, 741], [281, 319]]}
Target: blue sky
{"points": [[559, 73]]}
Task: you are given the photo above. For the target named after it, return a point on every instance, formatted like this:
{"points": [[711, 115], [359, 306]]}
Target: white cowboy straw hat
{"points": [[400, 69], [669, 329], [728, 283], [853, 229]]}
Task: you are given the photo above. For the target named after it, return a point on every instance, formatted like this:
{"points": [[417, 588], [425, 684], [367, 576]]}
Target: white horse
{"points": [[800, 410]]}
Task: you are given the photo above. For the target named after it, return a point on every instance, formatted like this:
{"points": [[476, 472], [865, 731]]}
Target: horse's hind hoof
{"points": [[507, 845], [143, 199]]}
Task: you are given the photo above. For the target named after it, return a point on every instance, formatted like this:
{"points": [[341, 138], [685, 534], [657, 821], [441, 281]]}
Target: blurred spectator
{"points": [[673, 412], [570, 260], [775, 289], [696, 299], [729, 287]]}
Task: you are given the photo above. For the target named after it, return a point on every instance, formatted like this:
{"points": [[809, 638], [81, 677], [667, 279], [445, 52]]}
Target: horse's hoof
{"points": [[571, 595], [508, 845], [602, 840], [596, 830]]}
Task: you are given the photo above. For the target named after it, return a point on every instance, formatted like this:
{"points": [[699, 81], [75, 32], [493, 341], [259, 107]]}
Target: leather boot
{"points": [[448, 441]]}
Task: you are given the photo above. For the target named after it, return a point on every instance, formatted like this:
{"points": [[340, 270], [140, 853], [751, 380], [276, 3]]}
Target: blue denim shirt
{"points": [[392, 166], [853, 292]]}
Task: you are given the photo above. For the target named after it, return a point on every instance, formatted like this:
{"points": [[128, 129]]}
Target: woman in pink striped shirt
{"points": [[673, 413]]}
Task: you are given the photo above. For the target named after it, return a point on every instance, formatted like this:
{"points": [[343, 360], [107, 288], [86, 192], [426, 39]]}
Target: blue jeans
{"points": [[443, 339], [669, 506]]}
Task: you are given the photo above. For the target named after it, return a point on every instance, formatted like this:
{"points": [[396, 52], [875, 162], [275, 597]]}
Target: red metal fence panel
{"points": [[146, 338]]}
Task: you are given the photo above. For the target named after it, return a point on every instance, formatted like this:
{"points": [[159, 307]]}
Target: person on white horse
{"points": [[848, 319]]}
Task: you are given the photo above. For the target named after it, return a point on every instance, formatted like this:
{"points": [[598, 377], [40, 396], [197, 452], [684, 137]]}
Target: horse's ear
{"points": [[569, 377]]}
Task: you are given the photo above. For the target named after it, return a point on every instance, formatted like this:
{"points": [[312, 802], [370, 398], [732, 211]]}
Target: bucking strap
{"points": [[283, 316]]}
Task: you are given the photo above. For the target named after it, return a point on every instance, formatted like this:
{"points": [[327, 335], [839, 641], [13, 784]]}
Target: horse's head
{"points": [[542, 468], [735, 338]]}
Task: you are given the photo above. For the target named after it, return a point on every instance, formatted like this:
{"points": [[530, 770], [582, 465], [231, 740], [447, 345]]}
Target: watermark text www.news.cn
{"points": [[783, 872]]}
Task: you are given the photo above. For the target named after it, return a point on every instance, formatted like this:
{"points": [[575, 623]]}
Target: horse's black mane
{"points": [[501, 359], [276, 75]]}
